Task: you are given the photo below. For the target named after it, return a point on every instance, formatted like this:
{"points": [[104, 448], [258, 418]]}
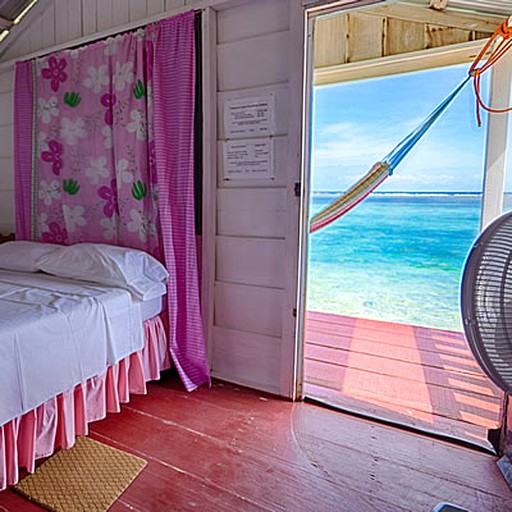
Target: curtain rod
{"points": [[199, 6]]}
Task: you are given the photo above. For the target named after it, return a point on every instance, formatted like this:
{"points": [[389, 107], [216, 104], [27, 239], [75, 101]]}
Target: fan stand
{"points": [[448, 507], [505, 448], [505, 465]]}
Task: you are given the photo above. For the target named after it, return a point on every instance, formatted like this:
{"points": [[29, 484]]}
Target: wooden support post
{"points": [[5, 23], [496, 147]]}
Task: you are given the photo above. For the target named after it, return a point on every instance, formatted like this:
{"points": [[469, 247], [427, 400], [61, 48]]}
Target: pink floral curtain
{"points": [[90, 169]]}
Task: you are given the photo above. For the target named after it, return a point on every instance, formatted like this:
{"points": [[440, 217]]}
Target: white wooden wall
{"points": [[53, 22], [252, 246], [6, 153]]}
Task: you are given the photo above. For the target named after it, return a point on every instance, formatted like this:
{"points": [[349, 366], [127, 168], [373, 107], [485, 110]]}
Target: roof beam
{"points": [[5, 23], [403, 63], [448, 18]]}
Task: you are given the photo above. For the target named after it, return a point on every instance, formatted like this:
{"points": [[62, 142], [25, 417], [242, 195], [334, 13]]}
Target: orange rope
{"points": [[505, 33]]}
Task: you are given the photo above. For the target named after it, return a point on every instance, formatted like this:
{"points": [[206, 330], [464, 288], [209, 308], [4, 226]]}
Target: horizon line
{"points": [[463, 192]]}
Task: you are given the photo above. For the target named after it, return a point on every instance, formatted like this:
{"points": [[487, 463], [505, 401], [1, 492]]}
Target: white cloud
{"points": [[344, 152]]}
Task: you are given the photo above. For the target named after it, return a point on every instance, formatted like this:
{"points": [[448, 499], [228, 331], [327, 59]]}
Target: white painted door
{"points": [[310, 11]]}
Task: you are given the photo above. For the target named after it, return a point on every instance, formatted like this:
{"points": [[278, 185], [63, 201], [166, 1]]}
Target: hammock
{"points": [[380, 171], [383, 169]]}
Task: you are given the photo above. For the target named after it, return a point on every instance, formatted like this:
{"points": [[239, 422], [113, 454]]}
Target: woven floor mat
{"points": [[88, 477]]}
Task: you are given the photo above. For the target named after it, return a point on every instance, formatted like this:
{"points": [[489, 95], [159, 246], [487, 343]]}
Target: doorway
{"points": [[382, 332]]}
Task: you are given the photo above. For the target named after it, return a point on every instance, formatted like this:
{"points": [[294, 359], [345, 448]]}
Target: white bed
{"points": [[57, 332], [75, 342]]}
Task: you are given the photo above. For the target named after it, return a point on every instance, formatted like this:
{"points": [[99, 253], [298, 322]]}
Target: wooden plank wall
{"points": [[53, 22], [250, 285], [6, 153]]}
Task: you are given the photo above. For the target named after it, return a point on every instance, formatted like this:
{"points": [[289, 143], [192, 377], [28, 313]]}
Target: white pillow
{"points": [[134, 270], [23, 255]]}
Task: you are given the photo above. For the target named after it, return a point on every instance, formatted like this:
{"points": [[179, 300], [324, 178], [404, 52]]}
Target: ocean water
{"points": [[395, 257]]}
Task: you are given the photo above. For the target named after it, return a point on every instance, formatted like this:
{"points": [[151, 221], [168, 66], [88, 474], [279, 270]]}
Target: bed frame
{"points": [[6, 238]]}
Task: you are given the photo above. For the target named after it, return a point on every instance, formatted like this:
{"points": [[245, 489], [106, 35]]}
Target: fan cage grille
{"points": [[487, 301]]}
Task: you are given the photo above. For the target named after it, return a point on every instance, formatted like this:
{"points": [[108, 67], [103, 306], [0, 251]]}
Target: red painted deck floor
{"points": [[416, 376], [234, 449]]}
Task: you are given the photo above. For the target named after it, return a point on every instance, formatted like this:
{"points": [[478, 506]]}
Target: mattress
{"points": [[150, 308], [56, 333]]}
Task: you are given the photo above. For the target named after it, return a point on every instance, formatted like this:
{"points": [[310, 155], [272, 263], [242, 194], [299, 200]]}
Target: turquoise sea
{"points": [[395, 257]]}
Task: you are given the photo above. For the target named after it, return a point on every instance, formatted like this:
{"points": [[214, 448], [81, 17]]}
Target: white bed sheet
{"points": [[56, 333], [150, 308]]}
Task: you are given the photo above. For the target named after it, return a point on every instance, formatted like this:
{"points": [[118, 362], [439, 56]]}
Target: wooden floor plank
{"points": [[400, 373], [394, 389], [229, 448], [13, 502], [402, 415], [259, 478], [454, 337], [253, 474], [160, 485], [403, 338], [420, 453], [436, 375], [383, 350]]}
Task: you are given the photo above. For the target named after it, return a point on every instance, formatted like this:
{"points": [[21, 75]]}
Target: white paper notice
{"points": [[249, 159], [249, 117]]}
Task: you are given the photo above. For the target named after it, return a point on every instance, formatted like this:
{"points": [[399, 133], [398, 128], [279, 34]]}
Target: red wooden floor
{"points": [[417, 376], [233, 449]]}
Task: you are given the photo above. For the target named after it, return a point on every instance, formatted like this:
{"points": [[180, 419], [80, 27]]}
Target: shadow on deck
{"points": [[415, 376]]}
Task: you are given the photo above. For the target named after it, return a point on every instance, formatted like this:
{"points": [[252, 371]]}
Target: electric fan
{"points": [[486, 304], [486, 301]]}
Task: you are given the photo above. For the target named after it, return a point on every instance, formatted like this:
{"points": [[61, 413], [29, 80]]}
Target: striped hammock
{"points": [[381, 170]]}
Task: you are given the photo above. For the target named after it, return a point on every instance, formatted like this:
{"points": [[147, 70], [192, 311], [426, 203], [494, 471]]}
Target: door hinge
{"points": [[294, 312], [297, 188]]}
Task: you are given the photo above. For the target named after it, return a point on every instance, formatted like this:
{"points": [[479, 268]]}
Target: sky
{"points": [[355, 124]]}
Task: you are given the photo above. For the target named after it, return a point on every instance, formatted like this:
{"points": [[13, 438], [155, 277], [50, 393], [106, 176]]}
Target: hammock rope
{"points": [[502, 41]]}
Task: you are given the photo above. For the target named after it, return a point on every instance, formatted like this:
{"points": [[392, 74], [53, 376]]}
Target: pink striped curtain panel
{"points": [[104, 146]]}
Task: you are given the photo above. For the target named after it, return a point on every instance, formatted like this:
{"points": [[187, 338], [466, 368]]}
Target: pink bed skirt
{"points": [[57, 422]]}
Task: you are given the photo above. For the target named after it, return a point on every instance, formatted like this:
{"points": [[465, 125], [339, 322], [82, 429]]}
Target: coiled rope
{"points": [[502, 42]]}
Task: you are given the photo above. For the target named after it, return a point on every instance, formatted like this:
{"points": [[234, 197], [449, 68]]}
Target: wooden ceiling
{"points": [[490, 7], [391, 30], [9, 10]]}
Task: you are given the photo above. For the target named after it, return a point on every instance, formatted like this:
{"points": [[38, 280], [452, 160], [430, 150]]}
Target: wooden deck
{"points": [[415, 376]]}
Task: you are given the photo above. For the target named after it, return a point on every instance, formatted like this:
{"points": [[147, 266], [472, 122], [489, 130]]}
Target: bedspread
{"points": [[56, 333]]}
